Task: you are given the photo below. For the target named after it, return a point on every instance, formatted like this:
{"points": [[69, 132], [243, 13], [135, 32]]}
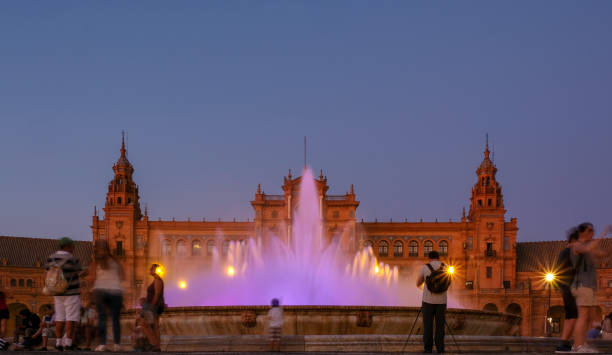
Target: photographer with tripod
{"points": [[434, 276]]}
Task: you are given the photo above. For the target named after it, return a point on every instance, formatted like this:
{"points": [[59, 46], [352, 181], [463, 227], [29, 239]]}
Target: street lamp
{"points": [[550, 277]]}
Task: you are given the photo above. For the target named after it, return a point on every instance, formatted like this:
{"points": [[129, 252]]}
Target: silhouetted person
{"points": [[155, 303], [565, 278], [275, 325]]}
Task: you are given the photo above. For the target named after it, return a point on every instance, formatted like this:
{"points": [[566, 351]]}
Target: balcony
{"points": [[490, 253]]}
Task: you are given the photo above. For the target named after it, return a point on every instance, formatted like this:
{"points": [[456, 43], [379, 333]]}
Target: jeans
{"points": [[431, 312], [105, 302]]}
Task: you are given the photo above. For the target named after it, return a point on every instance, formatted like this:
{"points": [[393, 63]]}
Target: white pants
{"points": [[67, 308]]}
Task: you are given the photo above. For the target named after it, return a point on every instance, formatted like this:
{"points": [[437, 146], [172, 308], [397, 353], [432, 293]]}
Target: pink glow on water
{"points": [[305, 271]]}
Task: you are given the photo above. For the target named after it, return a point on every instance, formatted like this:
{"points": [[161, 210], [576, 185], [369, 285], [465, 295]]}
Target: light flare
{"points": [[182, 284], [230, 271]]}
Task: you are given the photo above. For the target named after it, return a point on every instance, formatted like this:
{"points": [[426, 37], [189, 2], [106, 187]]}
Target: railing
{"points": [[490, 253], [335, 197], [274, 197]]}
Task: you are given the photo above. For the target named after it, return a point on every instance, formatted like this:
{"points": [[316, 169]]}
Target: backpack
{"points": [[438, 281], [55, 281]]}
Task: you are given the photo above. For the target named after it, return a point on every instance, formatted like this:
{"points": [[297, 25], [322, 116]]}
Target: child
{"points": [[48, 327], [143, 333], [275, 325]]}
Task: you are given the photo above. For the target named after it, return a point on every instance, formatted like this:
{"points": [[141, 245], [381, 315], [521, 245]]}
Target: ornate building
{"points": [[494, 271]]}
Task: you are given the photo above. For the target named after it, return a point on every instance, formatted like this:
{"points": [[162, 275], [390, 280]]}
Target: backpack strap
{"points": [[430, 267]]}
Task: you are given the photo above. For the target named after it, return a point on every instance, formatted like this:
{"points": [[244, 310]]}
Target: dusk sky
{"points": [[395, 97]]}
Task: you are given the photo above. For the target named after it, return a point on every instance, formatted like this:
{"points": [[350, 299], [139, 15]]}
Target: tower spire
{"points": [[486, 152], [123, 143]]}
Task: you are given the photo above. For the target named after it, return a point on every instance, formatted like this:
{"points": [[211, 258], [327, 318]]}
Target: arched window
{"points": [[13, 283], [367, 244], [225, 247], [196, 248], [118, 200], [274, 214], [210, 247], [166, 248], [443, 248], [413, 248], [383, 248], [29, 283], [398, 248], [181, 248], [21, 284], [427, 247]]}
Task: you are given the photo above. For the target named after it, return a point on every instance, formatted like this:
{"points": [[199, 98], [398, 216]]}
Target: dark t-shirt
{"points": [[565, 270]]}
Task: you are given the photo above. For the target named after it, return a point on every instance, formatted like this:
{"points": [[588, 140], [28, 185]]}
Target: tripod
{"points": [[445, 323]]}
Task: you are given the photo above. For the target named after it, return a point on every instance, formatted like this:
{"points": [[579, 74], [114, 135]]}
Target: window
{"points": [[413, 248], [118, 200], [479, 203], [443, 247], [489, 202], [102, 237], [367, 244], [13, 282], [274, 214], [336, 214], [21, 283], [427, 247], [210, 247], [488, 180], [506, 284], [398, 248], [469, 243], [166, 248], [469, 285], [139, 242], [383, 248], [196, 248], [138, 283], [489, 272], [352, 214], [119, 250], [29, 283], [506, 243], [225, 247], [609, 283], [181, 248]]}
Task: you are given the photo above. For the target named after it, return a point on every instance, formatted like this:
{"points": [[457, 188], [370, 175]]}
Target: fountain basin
{"points": [[320, 320]]}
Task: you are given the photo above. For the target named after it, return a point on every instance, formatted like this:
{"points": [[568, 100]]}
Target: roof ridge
{"points": [[41, 238]]}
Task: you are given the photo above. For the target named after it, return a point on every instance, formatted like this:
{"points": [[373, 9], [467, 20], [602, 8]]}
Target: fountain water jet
{"points": [[307, 270]]}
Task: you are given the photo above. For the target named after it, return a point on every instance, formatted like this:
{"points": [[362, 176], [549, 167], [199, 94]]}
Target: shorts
{"points": [[585, 296], [67, 308], [569, 303], [275, 333], [46, 332], [4, 314]]}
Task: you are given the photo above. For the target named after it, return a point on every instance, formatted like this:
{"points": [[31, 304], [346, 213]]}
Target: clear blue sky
{"points": [[395, 97]]}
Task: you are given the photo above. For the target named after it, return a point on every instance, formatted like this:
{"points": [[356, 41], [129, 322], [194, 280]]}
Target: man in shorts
{"points": [[566, 276], [68, 303]]}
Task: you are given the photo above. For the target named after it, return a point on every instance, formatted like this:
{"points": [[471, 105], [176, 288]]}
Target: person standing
{"points": [[566, 277], [107, 293], [68, 302], [433, 306], [275, 325], [584, 286], [155, 303]]}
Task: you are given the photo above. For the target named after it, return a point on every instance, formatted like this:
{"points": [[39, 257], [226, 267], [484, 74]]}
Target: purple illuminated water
{"points": [[305, 271]]}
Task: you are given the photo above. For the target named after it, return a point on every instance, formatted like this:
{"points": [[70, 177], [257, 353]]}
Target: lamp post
{"points": [[550, 277]]}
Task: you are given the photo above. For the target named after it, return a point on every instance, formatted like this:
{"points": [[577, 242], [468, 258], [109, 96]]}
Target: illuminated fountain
{"points": [[330, 301], [308, 271]]}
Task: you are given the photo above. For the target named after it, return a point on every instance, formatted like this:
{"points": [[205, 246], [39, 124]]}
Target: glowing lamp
{"points": [[550, 277], [182, 284], [160, 271], [230, 271], [376, 269], [451, 270]]}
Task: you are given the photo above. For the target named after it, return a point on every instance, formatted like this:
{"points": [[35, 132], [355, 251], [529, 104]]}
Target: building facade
{"points": [[494, 271]]}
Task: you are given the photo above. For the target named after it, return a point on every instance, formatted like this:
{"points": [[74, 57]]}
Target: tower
{"points": [[121, 219], [486, 215]]}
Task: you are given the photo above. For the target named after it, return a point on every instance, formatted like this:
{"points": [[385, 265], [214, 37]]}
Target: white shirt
{"points": [[108, 279], [275, 317], [428, 297]]}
